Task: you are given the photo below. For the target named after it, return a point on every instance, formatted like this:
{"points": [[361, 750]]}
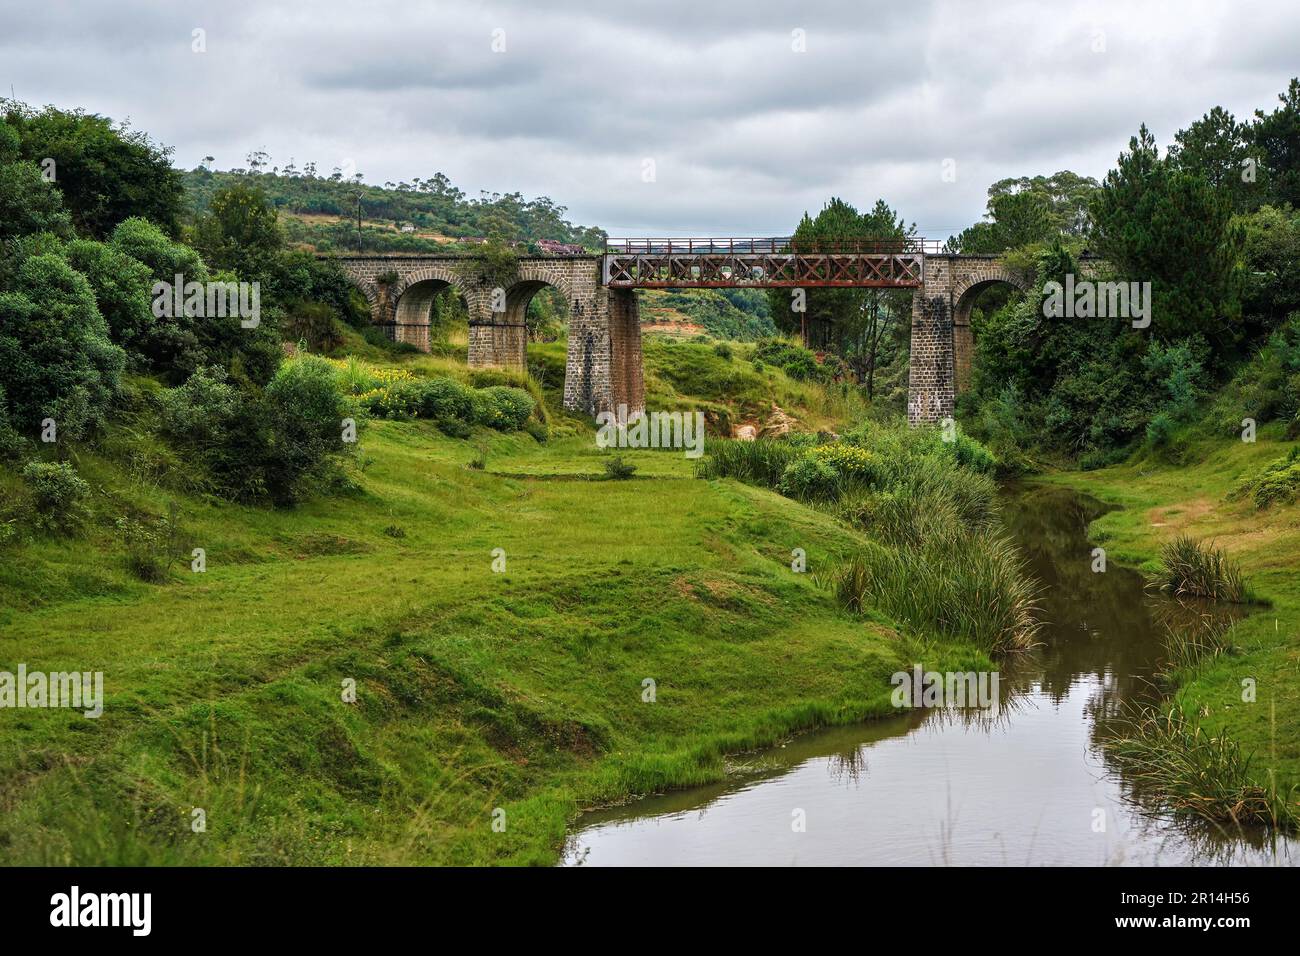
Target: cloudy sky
{"points": [[750, 113]]}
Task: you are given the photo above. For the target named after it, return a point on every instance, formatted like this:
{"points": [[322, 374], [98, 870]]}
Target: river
{"points": [[1031, 786]]}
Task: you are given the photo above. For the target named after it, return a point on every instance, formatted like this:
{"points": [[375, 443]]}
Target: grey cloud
{"points": [[746, 133]]}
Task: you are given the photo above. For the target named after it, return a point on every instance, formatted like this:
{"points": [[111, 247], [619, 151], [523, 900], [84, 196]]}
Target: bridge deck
{"points": [[780, 262]]}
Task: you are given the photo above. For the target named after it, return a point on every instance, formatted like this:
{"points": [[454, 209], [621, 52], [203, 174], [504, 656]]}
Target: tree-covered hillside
{"points": [[417, 216]]}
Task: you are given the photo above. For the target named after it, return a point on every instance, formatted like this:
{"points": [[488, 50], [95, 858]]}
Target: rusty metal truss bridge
{"points": [[764, 263]]}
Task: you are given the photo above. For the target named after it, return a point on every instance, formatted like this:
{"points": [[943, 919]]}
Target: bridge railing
{"points": [[771, 245]]}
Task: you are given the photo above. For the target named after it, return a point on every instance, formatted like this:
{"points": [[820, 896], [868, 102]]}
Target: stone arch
{"points": [[529, 280], [371, 292], [964, 293], [500, 336], [411, 301]]}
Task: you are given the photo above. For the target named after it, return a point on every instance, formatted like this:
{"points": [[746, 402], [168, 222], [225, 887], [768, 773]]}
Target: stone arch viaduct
{"points": [[603, 369]]}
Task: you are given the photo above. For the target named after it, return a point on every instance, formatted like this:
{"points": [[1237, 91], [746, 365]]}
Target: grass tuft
{"points": [[1189, 773], [970, 587], [1194, 569]]}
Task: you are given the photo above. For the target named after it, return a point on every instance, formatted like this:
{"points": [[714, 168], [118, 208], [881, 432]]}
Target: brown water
{"points": [[1032, 786]]}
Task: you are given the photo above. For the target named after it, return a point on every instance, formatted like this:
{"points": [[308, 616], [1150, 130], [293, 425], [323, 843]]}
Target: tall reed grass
{"points": [[940, 564], [970, 586], [1187, 643], [760, 462], [1189, 773], [1193, 569]]}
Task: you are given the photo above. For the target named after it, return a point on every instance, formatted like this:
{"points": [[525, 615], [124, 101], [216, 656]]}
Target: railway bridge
{"points": [[603, 370]]}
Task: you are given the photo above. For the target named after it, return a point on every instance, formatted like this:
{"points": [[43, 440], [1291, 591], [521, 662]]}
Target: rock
{"points": [[778, 423], [745, 432]]}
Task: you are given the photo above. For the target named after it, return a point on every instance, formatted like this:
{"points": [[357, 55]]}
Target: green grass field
{"points": [[475, 690], [491, 707]]}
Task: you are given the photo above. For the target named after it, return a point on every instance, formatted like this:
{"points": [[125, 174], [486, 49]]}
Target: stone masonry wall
{"points": [[942, 342], [603, 366]]}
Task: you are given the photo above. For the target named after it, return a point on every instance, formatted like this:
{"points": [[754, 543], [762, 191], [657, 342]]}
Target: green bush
{"points": [[282, 445], [200, 410], [122, 287], [619, 470], [307, 412], [797, 362], [502, 407], [12, 444], [58, 495], [971, 455], [853, 463], [442, 399], [1160, 430], [811, 479], [1277, 482], [56, 358], [1267, 388], [399, 400]]}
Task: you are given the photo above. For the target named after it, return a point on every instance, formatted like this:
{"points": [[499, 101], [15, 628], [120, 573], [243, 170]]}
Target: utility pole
{"points": [[358, 221]]}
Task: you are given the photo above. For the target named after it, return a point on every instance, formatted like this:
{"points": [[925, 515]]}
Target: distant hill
{"points": [[741, 314], [420, 216], [432, 215]]}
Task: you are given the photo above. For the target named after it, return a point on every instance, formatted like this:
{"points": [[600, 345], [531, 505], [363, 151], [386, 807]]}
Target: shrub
{"points": [[903, 518], [445, 399], [1096, 458], [313, 323], [122, 288], [1160, 430], [12, 444], [797, 361], [150, 548], [307, 412], [619, 470], [58, 495], [723, 351], [1192, 569], [502, 407], [200, 410], [971, 455], [917, 462], [811, 479], [1276, 482], [399, 400], [271, 446], [56, 359], [852, 462], [1194, 774], [1268, 387]]}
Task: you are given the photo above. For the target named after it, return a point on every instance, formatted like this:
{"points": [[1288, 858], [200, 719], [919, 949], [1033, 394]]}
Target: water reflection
{"points": [[1029, 785]]}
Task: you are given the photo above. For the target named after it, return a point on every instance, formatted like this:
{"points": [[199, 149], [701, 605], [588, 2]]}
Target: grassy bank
{"points": [[523, 691], [1157, 504]]}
